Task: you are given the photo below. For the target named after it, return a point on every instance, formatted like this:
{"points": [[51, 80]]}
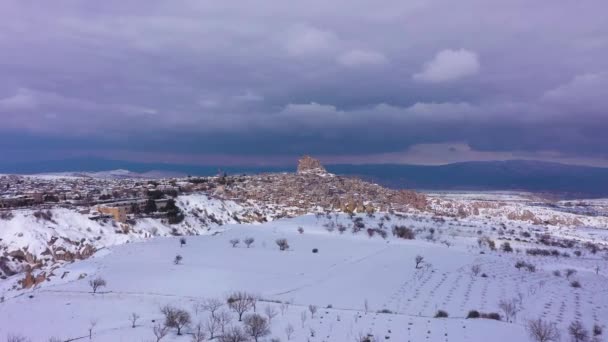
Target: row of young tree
{"points": [[544, 331], [251, 326]]}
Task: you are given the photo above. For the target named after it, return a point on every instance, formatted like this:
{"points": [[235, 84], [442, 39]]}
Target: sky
{"points": [[262, 82]]}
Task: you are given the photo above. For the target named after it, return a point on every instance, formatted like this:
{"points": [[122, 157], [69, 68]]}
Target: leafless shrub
{"points": [[283, 244], [441, 314], [509, 308], [577, 332], [592, 247], [178, 259], [97, 283], [419, 259], [486, 241], [160, 331], [300, 230], [240, 302], [404, 232], [234, 334], [44, 215], [133, 319], [176, 318], [249, 241], [542, 331], [576, 284], [234, 242], [365, 338], [17, 338], [6, 215], [289, 331], [527, 266], [570, 272], [256, 326], [270, 312], [475, 269], [597, 330]]}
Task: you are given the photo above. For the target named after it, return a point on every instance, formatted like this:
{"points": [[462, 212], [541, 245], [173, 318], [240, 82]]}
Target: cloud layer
{"points": [[351, 80]]}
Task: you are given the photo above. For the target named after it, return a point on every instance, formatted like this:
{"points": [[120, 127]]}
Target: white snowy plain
{"points": [[349, 272]]}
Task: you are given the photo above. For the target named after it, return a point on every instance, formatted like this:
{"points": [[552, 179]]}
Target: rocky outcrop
{"points": [[308, 164], [30, 280], [313, 189]]}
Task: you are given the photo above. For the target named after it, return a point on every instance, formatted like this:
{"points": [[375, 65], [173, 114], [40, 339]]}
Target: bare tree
{"points": [[234, 334], [289, 331], [577, 332], [198, 334], [509, 308], [92, 325], [256, 326], [240, 302], [475, 269], [133, 318], [303, 318], [313, 310], [283, 244], [419, 259], [366, 306], [542, 331], [178, 259], [160, 331], [212, 305], [97, 283], [284, 307], [254, 301], [249, 241], [176, 318], [212, 325], [234, 242], [270, 312], [223, 318]]}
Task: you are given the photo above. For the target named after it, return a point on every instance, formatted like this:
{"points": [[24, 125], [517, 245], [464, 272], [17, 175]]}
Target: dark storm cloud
{"points": [[335, 78]]}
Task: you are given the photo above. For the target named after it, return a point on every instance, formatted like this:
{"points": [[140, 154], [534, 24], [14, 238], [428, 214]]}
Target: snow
{"points": [[348, 271]]}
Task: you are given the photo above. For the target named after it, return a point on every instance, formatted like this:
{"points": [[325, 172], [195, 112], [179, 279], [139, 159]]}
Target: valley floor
{"points": [[360, 284]]}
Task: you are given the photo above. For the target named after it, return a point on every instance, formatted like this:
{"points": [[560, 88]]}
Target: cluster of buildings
{"points": [[116, 198]]}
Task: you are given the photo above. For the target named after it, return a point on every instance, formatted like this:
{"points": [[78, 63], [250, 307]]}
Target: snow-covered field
{"points": [[360, 284]]}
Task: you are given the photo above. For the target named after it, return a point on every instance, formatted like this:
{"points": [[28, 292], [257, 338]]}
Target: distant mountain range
{"points": [[534, 176]]}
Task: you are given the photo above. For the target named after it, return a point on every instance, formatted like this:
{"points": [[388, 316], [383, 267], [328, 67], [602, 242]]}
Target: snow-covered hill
{"points": [[360, 282], [39, 239]]}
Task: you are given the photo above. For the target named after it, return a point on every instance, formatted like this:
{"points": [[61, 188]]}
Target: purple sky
{"points": [[416, 81]]}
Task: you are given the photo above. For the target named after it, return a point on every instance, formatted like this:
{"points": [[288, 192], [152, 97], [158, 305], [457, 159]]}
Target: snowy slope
{"points": [[349, 270], [47, 240]]}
